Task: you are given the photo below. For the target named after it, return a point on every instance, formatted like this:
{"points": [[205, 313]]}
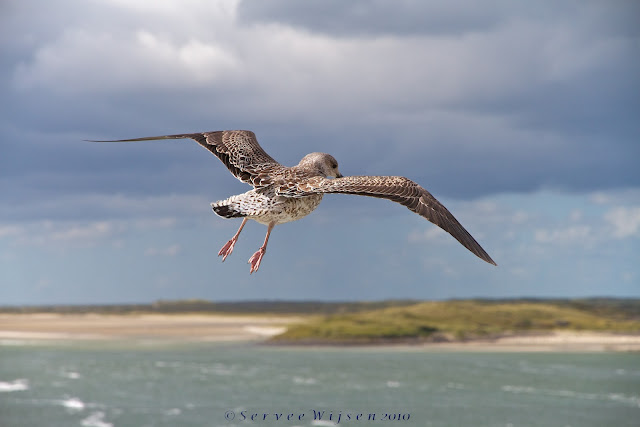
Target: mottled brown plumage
{"points": [[401, 190], [282, 194]]}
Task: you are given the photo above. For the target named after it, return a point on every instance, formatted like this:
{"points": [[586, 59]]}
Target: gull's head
{"points": [[323, 163]]}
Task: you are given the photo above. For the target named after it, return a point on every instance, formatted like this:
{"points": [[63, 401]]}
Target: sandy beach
{"points": [[190, 327], [566, 341], [239, 328]]}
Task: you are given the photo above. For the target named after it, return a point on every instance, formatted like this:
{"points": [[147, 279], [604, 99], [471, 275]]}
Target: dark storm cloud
{"points": [[466, 99], [451, 18], [366, 17]]}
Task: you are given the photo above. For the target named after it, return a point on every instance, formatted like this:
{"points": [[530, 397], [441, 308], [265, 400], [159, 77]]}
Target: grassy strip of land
{"points": [[442, 321], [200, 306]]}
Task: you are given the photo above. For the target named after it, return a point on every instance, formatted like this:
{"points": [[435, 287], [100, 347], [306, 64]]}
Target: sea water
{"points": [[186, 384]]}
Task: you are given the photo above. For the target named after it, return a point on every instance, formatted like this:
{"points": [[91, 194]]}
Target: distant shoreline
{"points": [[545, 341], [178, 327], [259, 328]]}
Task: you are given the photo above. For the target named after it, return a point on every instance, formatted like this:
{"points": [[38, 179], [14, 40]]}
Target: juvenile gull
{"points": [[282, 194]]}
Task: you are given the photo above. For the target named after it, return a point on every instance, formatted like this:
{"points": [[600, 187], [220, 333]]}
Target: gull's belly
{"points": [[280, 209]]}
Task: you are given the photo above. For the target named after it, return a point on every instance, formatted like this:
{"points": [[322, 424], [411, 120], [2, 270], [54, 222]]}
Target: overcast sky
{"points": [[521, 117]]}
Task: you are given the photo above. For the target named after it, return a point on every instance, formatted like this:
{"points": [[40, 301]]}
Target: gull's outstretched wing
{"points": [[398, 189], [237, 149]]}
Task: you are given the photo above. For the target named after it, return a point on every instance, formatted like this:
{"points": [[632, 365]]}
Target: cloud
{"points": [[501, 92], [432, 234], [625, 221], [78, 234], [568, 235], [481, 214], [171, 251], [269, 65], [521, 118], [374, 18], [71, 65], [410, 18], [81, 206], [624, 196], [54, 234], [9, 230]]}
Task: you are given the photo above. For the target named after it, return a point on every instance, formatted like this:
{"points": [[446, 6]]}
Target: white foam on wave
{"points": [[73, 404], [456, 386], [95, 419], [301, 380], [16, 385], [165, 364], [71, 375], [393, 384], [217, 369], [518, 389], [617, 397]]}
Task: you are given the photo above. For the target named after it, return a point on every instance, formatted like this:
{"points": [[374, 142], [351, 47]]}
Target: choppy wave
{"points": [[218, 369], [95, 419], [617, 397], [302, 380], [16, 385], [173, 411], [456, 386], [73, 404], [165, 364], [215, 368], [71, 375]]}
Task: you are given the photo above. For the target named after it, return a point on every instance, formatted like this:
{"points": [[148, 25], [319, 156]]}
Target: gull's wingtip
{"points": [[483, 255]]}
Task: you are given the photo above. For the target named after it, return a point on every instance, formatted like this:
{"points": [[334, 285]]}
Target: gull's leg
{"points": [[257, 257], [228, 247]]}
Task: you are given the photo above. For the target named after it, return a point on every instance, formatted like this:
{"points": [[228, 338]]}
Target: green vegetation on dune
{"points": [[461, 320]]}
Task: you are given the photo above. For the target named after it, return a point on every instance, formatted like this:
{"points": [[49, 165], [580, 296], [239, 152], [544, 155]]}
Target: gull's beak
{"points": [[339, 175]]}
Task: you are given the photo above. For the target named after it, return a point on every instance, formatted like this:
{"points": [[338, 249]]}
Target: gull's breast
{"points": [[287, 209]]}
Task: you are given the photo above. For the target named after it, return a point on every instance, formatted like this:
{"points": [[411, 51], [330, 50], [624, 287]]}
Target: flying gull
{"points": [[282, 194]]}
